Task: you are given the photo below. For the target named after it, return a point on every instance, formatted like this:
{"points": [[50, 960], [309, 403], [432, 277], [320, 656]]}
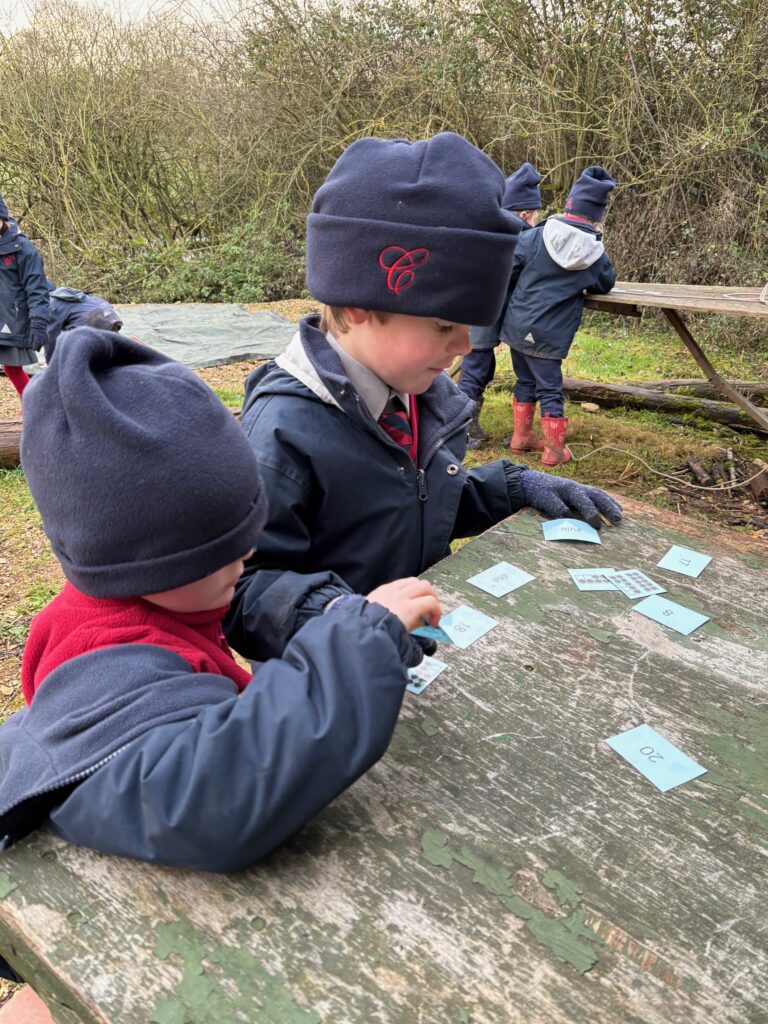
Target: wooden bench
{"points": [[627, 297], [500, 865]]}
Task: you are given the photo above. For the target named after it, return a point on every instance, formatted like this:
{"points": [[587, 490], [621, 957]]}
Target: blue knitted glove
{"points": [[38, 335], [561, 498]]}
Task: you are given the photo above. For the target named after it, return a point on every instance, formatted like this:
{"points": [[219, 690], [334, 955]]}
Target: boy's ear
{"points": [[357, 316]]}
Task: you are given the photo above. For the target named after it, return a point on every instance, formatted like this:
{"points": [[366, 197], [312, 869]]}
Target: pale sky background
{"points": [[16, 14]]}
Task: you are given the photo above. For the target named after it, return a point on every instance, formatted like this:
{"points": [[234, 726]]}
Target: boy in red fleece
{"points": [[143, 737], [152, 499]]}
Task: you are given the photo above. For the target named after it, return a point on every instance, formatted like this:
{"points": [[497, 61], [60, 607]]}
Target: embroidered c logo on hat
{"points": [[399, 264]]}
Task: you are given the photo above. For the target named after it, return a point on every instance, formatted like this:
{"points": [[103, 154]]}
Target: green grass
{"points": [[635, 352], [15, 496], [627, 449], [232, 399]]}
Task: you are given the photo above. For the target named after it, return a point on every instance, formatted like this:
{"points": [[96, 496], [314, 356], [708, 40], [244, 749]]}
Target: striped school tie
{"points": [[394, 421]]}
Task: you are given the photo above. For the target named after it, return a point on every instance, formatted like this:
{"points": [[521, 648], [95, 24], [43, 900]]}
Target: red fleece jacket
{"points": [[74, 624]]}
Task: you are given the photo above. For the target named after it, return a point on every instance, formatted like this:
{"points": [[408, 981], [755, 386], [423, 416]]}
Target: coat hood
{"points": [[570, 245], [9, 240]]}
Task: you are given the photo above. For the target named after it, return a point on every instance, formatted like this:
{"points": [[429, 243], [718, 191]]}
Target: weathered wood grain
{"points": [[692, 298], [500, 864]]}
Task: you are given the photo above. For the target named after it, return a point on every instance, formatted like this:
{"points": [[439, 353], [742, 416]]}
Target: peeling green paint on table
{"points": [[500, 864]]}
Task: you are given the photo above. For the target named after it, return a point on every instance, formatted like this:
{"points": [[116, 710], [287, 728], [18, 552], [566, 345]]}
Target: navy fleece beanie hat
{"points": [[415, 228], [522, 189], [4, 214], [144, 480], [589, 193]]}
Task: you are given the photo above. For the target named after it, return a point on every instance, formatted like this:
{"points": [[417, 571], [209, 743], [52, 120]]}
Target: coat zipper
{"points": [[421, 475], [72, 778]]}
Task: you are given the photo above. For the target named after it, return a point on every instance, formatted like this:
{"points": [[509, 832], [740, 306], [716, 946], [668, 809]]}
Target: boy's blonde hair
{"points": [[335, 319]]}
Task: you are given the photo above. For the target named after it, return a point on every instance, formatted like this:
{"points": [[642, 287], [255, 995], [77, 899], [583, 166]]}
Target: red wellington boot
{"points": [[522, 439], [554, 428]]}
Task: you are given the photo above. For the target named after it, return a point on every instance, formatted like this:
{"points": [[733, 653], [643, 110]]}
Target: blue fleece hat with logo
{"points": [[522, 189], [144, 480], [415, 228], [4, 214], [589, 193]]}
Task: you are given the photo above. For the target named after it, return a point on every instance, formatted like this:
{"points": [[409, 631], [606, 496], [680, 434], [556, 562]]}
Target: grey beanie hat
{"points": [[4, 214], [144, 480]]}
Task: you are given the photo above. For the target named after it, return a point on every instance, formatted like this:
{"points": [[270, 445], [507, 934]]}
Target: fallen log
{"points": [[702, 388], [698, 471], [612, 395], [759, 484], [10, 441]]}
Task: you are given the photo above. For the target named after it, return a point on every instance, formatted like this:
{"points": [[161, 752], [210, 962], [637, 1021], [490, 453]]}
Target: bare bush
{"points": [[138, 152]]}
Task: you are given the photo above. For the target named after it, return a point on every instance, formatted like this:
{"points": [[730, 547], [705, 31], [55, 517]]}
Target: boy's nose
{"points": [[461, 344]]}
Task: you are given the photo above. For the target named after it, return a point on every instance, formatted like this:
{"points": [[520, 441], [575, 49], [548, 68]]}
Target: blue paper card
{"points": [[681, 619], [464, 625], [425, 673], [432, 633], [570, 529], [500, 579], [592, 579], [633, 584], [655, 758], [685, 561]]}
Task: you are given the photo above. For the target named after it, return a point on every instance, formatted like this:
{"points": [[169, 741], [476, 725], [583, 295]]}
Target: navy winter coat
{"points": [[485, 338], [23, 288], [70, 308], [554, 265], [128, 751], [342, 495]]}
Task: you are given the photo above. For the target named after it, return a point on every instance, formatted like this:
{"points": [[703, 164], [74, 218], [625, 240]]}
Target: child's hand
{"points": [[411, 600]]}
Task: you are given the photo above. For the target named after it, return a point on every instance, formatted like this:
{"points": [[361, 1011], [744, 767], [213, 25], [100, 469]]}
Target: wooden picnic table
{"points": [[626, 298], [500, 865]]}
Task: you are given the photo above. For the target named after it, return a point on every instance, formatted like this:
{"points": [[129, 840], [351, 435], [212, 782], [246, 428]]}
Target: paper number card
{"points": [[685, 561], [655, 758], [424, 674], [570, 529], [592, 579], [676, 616], [500, 579], [464, 625], [633, 583]]}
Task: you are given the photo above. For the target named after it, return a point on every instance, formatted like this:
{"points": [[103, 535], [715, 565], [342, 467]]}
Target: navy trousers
{"points": [[539, 380], [479, 365], [477, 370], [8, 973]]}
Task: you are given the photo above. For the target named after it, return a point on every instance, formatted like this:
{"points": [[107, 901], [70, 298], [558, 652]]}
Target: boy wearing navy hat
{"points": [[23, 301], [523, 198], [358, 431], [554, 265], [143, 736], [71, 307]]}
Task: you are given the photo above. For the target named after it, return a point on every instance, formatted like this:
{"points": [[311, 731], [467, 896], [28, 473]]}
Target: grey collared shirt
{"points": [[372, 389]]}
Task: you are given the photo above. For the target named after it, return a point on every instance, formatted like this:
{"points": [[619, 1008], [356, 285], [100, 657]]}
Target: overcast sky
{"points": [[15, 14]]}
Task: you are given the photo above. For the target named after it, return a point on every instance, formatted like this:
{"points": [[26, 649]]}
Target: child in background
{"points": [[358, 431], [554, 265], [70, 307], [24, 309], [523, 198], [143, 736]]}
